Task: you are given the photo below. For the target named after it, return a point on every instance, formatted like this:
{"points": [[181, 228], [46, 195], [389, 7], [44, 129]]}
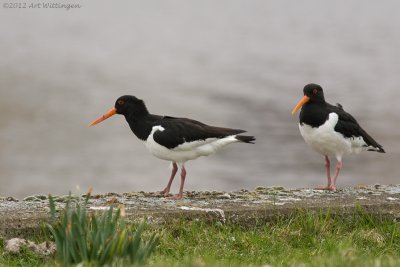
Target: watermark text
{"points": [[41, 5]]}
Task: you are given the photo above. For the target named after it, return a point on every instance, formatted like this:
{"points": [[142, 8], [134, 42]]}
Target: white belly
{"points": [[186, 151], [327, 141]]}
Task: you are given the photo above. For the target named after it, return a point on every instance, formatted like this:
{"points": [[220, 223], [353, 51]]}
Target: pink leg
{"points": [[328, 170], [328, 175], [174, 170], [339, 166], [183, 176]]}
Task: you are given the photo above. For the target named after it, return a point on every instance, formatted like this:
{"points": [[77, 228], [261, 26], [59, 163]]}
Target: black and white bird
{"points": [[331, 131], [174, 139]]}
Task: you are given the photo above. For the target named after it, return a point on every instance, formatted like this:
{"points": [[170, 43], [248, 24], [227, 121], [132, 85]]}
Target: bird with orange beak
{"points": [[331, 131], [174, 139]]}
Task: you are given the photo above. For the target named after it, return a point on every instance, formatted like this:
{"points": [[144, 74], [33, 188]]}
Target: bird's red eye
{"points": [[121, 102], [315, 91]]}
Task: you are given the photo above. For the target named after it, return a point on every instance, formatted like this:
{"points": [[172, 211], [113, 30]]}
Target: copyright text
{"points": [[43, 5]]}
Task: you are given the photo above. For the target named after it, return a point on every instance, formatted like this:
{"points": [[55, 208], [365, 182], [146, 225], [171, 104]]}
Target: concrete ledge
{"points": [[25, 218]]}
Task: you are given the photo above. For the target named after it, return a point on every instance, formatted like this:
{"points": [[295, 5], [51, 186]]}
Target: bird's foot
{"points": [[331, 188], [164, 192], [176, 197]]}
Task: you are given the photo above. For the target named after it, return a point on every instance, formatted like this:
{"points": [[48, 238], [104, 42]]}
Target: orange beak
{"points": [[304, 100], [112, 111]]}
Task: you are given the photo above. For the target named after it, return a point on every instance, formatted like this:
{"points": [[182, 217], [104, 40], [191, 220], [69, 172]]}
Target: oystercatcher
{"points": [[174, 139], [331, 131]]}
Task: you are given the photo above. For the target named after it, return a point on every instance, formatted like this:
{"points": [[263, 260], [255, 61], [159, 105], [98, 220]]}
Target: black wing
{"points": [[349, 127], [180, 130]]}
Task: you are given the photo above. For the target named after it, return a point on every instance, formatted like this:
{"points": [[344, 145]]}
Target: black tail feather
{"points": [[377, 149], [246, 139], [374, 146]]}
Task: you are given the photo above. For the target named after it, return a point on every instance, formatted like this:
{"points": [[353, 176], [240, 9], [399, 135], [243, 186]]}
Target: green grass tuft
{"points": [[97, 239]]}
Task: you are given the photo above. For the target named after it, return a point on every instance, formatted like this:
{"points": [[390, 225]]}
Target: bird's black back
{"points": [[316, 114], [180, 130], [349, 127]]}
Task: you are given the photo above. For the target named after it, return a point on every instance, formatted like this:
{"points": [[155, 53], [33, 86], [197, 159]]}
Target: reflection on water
{"points": [[229, 63]]}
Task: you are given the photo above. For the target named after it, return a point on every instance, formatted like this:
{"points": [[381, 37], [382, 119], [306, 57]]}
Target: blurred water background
{"points": [[239, 64]]}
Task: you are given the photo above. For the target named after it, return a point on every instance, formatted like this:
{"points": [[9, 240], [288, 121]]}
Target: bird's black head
{"points": [[130, 105], [127, 105], [313, 93]]}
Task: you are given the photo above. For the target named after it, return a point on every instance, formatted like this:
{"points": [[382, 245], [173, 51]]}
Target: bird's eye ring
{"points": [[121, 102], [315, 91]]}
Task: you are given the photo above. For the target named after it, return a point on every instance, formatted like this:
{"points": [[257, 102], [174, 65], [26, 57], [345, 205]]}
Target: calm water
{"points": [[239, 64]]}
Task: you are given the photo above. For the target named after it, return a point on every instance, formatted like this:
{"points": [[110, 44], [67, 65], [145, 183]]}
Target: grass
{"points": [[26, 258], [307, 239], [98, 239]]}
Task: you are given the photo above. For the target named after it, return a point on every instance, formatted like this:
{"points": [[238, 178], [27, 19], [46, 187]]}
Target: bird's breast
{"points": [[324, 139]]}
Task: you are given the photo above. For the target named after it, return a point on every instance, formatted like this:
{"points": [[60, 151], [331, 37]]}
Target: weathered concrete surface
{"points": [[26, 217]]}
